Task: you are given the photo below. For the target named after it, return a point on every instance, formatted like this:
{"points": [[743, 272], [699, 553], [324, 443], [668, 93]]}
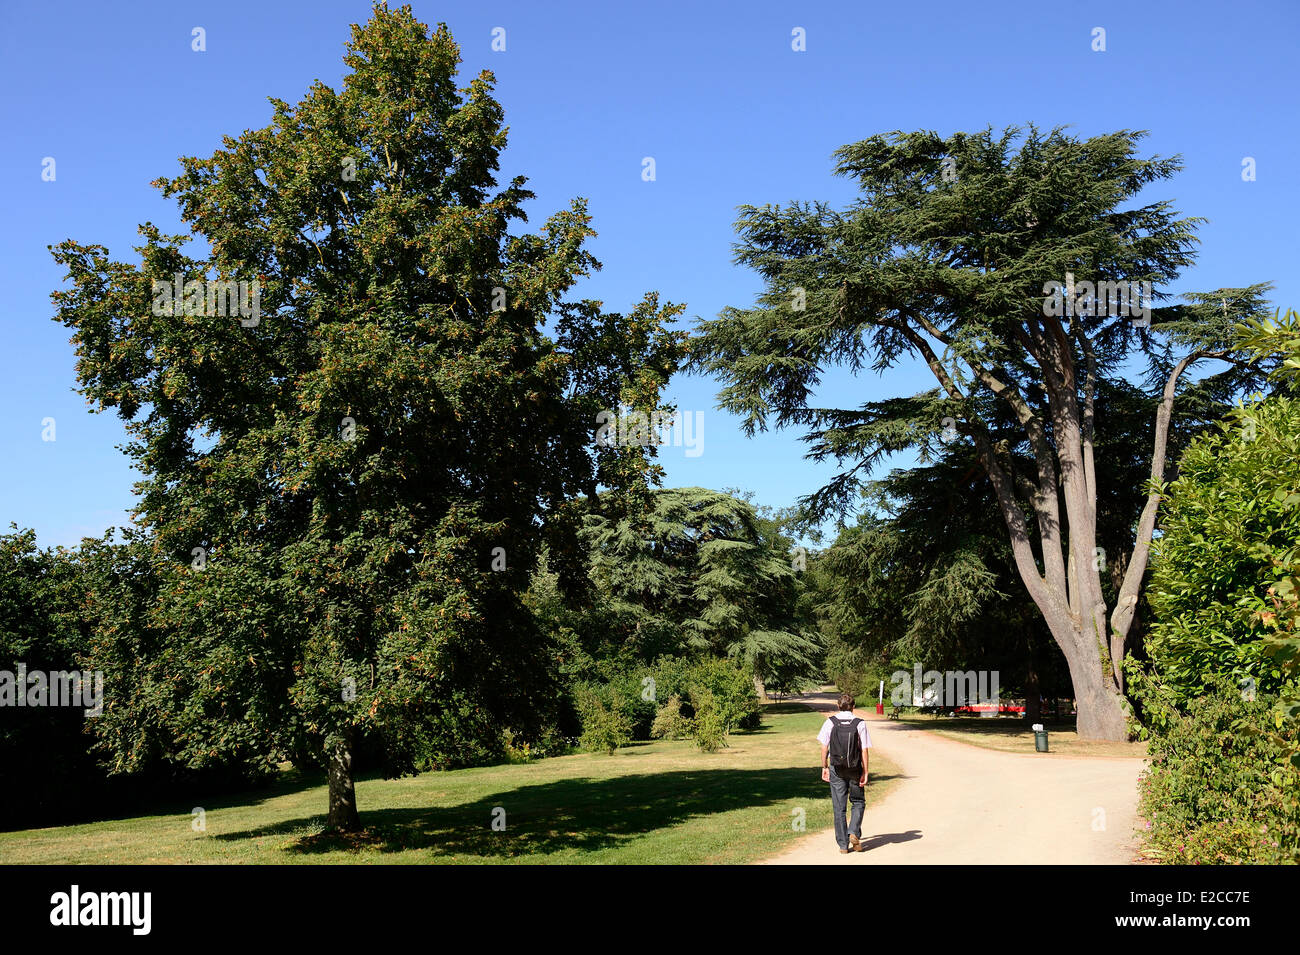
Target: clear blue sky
{"points": [[714, 92]]}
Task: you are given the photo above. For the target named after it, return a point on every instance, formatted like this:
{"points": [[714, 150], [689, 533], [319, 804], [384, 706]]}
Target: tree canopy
{"points": [[1020, 267], [347, 484]]}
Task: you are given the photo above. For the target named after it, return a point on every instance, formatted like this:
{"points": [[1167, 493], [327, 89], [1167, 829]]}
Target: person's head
{"points": [[847, 703]]}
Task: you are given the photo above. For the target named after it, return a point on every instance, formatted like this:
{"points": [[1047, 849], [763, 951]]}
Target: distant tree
{"points": [[43, 748], [1013, 266], [348, 481], [696, 575]]}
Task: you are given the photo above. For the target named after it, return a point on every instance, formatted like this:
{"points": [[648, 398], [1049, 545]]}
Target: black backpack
{"points": [[845, 750]]}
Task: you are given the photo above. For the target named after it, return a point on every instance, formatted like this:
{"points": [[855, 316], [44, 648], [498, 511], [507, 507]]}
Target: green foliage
{"points": [[730, 689], [724, 688], [43, 750], [1269, 339], [699, 590], [604, 727], [670, 723], [354, 460], [1220, 788], [1277, 609], [1224, 583], [84, 610], [697, 574], [1222, 699], [710, 723], [623, 692]]}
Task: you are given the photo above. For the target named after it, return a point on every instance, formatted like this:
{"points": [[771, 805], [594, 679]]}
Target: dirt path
{"points": [[959, 804]]}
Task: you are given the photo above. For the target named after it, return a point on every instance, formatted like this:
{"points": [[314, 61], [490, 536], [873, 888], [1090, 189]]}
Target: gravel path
{"points": [[960, 804]]}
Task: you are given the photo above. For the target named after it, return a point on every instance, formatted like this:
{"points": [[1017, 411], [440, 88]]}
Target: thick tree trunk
{"points": [[1100, 704], [1069, 596], [343, 797]]}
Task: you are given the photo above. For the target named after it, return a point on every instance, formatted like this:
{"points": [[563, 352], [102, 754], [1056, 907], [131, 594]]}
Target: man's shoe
{"points": [[844, 852], [856, 844]]}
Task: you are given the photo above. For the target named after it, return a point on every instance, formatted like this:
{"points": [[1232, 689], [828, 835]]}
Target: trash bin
{"points": [[880, 709], [1040, 738]]}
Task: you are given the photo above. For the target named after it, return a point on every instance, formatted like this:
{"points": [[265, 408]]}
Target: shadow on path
{"points": [[875, 842]]}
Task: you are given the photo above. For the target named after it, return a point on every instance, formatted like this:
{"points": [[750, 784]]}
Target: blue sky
{"points": [[714, 92]]}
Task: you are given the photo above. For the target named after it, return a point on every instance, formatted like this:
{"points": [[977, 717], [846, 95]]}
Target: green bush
{"points": [[625, 702], [627, 692], [604, 727], [710, 728], [670, 723], [1228, 551], [517, 749], [673, 676], [732, 690], [1221, 698], [1219, 788]]}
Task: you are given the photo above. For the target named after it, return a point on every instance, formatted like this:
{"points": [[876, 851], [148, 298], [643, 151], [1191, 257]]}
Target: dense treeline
{"points": [[57, 763], [670, 637]]}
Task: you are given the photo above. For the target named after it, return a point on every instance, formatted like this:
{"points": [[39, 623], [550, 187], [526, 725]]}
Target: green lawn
{"points": [[661, 802], [1015, 736]]}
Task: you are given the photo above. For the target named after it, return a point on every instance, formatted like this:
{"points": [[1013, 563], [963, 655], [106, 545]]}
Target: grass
{"points": [[659, 802], [1015, 736]]}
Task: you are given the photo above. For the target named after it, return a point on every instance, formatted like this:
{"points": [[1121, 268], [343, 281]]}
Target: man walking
{"points": [[845, 743]]}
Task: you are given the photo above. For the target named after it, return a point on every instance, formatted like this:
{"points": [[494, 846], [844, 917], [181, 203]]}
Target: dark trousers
{"points": [[850, 791]]}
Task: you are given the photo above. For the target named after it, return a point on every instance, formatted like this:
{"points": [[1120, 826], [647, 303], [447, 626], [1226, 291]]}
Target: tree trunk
{"points": [[1033, 697], [1100, 704], [343, 797]]}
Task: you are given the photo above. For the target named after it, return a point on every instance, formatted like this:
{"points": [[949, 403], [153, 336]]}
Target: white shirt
{"points": [[824, 737]]}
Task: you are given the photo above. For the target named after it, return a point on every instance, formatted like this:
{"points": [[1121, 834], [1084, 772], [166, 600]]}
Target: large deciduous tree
{"points": [[982, 256], [347, 482]]}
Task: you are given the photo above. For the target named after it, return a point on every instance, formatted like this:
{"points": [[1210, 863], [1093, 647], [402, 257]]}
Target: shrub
{"points": [[1222, 698], [710, 722], [1222, 577], [518, 749], [673, 676], [670, 723], [1219, 788], [604, 728], [621, 700], [626, 692], [732, 691]]}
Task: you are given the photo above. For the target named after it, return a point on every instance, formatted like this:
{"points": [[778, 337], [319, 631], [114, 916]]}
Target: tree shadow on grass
{"points": [[787, 707], [583, 814]]}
